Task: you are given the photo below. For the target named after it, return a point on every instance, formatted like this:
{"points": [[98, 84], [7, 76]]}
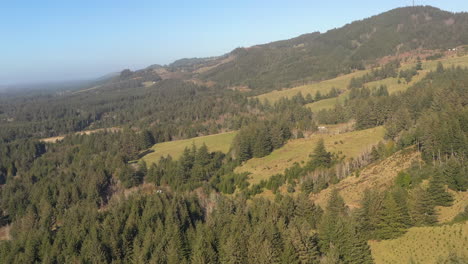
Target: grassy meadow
{"points": [[423, 245], [351, 144], [218, 142], [342, 82]]}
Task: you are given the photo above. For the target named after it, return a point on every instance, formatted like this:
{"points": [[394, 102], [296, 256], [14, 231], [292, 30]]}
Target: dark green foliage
{"points": [[403, 180], [391, 222], [455, 174], [315, 56], [387, 71], [259, 138], [339, 235], [437, 191], [320, 158], [422, 211]]}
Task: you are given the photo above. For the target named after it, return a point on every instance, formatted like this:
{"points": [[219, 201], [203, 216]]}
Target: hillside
{"points": [[316, 57], [423, 245], [218, 142], [259, 172], [379, 176], [350, 144]]}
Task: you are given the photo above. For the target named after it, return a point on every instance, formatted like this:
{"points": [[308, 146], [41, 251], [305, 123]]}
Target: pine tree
{"points": [[423, 212], [320, 157], [145, 139], [367, 215], [262, 145], [307, 211], [289, 255], [391, 223], [437, 191], [455, 173], [306, 245], [331, 227]]}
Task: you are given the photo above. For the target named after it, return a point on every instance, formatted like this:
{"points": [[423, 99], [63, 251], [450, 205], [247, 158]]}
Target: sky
{"points": [[61, 40]]}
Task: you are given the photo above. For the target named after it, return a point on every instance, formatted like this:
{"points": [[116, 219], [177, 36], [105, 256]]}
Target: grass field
{"points": [[343, 81], [297, 150], [218, 142], [423, 245], [324, 87]]}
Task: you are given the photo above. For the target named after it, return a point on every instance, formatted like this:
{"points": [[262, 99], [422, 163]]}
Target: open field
{"points": [[423, 245], [86, 132], [218, 142], [298, 150], [392, 83], [377, 176], [340, 82]]}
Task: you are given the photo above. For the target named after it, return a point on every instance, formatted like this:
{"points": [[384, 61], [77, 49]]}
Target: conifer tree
{"points": [[437, 191], [422, 211], [320, 157], [391, 223]]}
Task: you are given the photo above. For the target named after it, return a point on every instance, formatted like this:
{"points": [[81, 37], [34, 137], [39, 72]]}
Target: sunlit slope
{"points": [[218, 142], [323, 87], [423, 245], [351, 144], [342, 82], [446, 214], [379, 176]]}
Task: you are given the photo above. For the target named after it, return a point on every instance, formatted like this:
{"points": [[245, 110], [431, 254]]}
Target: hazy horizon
{"points": [[57, 42]]}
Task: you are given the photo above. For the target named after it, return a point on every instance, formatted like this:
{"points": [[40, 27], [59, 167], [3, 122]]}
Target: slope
{"points": [[218, 142], [315, 57], [423, 245], [350, 144], [378, 176]]}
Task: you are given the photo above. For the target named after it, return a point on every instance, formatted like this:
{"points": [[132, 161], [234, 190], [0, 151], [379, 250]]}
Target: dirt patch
{"points": [[5, 232], [207, 68], [449, 22], [87, 132]]}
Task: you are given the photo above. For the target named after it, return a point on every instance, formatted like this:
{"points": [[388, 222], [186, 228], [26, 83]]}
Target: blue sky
{"points": [[69, 40]]}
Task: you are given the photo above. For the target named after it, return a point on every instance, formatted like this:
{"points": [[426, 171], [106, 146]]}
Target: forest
{"points": [[92, 198]]}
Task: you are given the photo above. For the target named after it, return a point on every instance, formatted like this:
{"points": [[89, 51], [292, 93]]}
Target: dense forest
{"points": [[91, 198]]}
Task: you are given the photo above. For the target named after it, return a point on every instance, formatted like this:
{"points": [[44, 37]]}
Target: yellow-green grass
{"points": [[340, 82], [298, 150], [423, 245], [379, 176], [327, 103], [446, 214], [392, 83], [218, 142]]}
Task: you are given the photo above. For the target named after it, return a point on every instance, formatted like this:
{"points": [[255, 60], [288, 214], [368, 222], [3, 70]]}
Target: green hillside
{"points": [[315, 57], [218, 142]]}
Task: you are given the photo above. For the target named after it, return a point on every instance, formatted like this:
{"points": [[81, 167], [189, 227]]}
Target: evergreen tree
{"points": [[320, 157], [391, 223], [437, 191], [422, 211], [262, 145]]}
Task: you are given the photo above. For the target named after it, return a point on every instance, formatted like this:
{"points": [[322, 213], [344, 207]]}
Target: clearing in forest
{"points": [[217, 142], [350, 144], [340, 83]]}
